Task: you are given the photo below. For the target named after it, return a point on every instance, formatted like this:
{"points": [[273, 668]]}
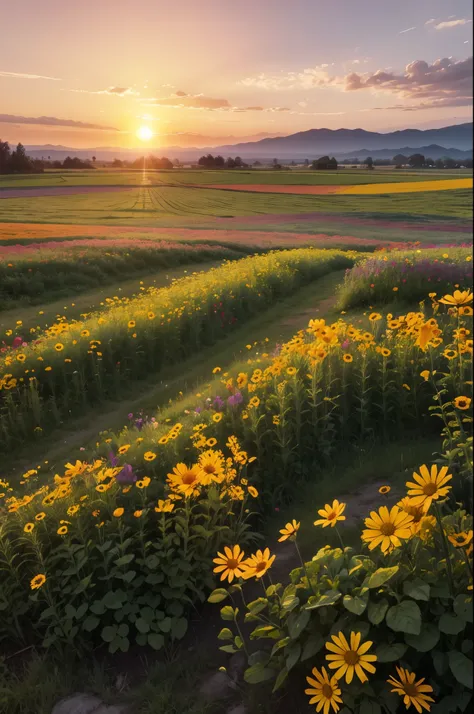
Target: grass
{"points": [[114, 177], [178, 206]]}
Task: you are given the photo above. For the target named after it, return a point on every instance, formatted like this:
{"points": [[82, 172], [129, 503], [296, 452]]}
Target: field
{"points": [[194, 364]]}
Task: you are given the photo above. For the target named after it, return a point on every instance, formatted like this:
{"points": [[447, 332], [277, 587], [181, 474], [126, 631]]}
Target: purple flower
{"points": [[113, 459], [126, 475], [130, 416], [235, 399], [218, 403], [139, 424], [198, 410]]}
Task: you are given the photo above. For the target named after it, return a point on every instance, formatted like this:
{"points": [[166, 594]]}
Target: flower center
{"points": [[188, 478], [411, 689], [331, 516], [327, 691], [232, 564], [351, 658], [261, 566], [429, 489], [209, 469], [387, 529]]}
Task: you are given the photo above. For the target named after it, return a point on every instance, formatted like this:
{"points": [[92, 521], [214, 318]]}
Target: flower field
{"points": [[403, 276], [116, 547], [411, 186], [85, 361]]}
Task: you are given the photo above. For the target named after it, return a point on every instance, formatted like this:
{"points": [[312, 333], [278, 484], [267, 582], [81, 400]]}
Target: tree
{"points": [[94, 159], [416, 161], [369, 162], [19, 161], [4, 156], [230, 163], [400, 159], [439, 164], [219, 162], [117, 163], [429, 162], [324, 163]]}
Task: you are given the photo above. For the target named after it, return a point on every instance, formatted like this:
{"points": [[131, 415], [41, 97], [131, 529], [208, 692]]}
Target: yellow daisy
{"points": [[258, 564], [185, 479], [331, 514], [387, 528], [429, 486], [350, 659], [325, 692], [289, 531], [229, 563], [412, 692]]}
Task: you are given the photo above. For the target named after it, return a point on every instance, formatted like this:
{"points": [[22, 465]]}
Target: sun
{"points": [[144, 133]]}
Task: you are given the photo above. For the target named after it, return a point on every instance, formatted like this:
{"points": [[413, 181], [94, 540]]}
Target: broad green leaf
{"points": [[297, 624], [90, 623], [426, 640], [293, 654], [142, 625], [258, 673], [125, 559], [369, 706], [165, 624], [155, 640], [417, 589], [225, 634], [280, 679], [381, 576], [218, 595], [179, 628], [290, 603], [230, 649], [461, 667], [440, 662], [451, 624], [280, 644], [312, 646], [390, 653], [377, 611], [269, 631], [108, 633], [405, 617], [462, 606], [257, 606], [356, 604], [227, 612], [329, 598]]}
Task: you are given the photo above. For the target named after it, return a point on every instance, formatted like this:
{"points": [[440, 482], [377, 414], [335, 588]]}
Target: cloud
{"points": [[180, 100], [451, 23], [114, 91], [308, 78], [52, 121], [402, 32], [445, 80], [21, 75]]}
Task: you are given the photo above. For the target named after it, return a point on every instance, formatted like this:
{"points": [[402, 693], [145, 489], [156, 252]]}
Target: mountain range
{"points": [[454, 141]]}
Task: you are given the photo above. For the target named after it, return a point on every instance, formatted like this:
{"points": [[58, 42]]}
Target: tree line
{"points": [[16, 161]]}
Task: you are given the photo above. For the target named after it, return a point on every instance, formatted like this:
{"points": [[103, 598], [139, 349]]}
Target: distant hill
{"points": [[342, 143], [433, 151]]}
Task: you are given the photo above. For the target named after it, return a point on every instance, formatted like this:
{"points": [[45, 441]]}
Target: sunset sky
{"points": [[90, 73]]}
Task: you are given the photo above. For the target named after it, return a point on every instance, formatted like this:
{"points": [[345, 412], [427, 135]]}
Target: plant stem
{"points": [[445, 548]]}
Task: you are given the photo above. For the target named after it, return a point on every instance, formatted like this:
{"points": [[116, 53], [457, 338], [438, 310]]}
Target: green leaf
{"points": [[165, 624], [142, 625], [451, 624], [405, 617], [369, 706], [312, 646], [225, 634], [440, 662], [227, 612], [179, 628], [124, 560], [258, 673], [390, 653], [280, 679], [290, 603], [218, 595], [461, 667], [257, 606], [426, 640], [329, 598], [297, 624], [376, 611], [267, 631], [280, 644], [462, 606], [113, 599], [382, 576], [417, 589], [230, 649], [108, 633], [357, 604], [238, 642], [90, 623], [293, 655], [155, 640]]}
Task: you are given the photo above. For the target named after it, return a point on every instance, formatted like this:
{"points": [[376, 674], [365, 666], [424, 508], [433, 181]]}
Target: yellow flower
{"points": [[40, 516], [348, 358], [289, 531], [62, 530], [373, 317], [460, 540], [185, 479], [425, 374], [412, 692], [331, 514], [211, 464], [350, 659], [429, 486], [37, 581], [253, 491], [387, 528], [229, 563], [426, 333], [217, 417], [118, 512], [164, 506], [291, 371], [254, 402], [384, 489], [427, 526], [385, 352], [72, 510], [149, 456], [450, 354], [59, 347], [325, 692], [137, 514], [462, 403], [123, 449], [216, 370], [407, 387], [457, 298], [28, 527], [144, 482], [131, 323], [258, 564], [417, 513]]}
